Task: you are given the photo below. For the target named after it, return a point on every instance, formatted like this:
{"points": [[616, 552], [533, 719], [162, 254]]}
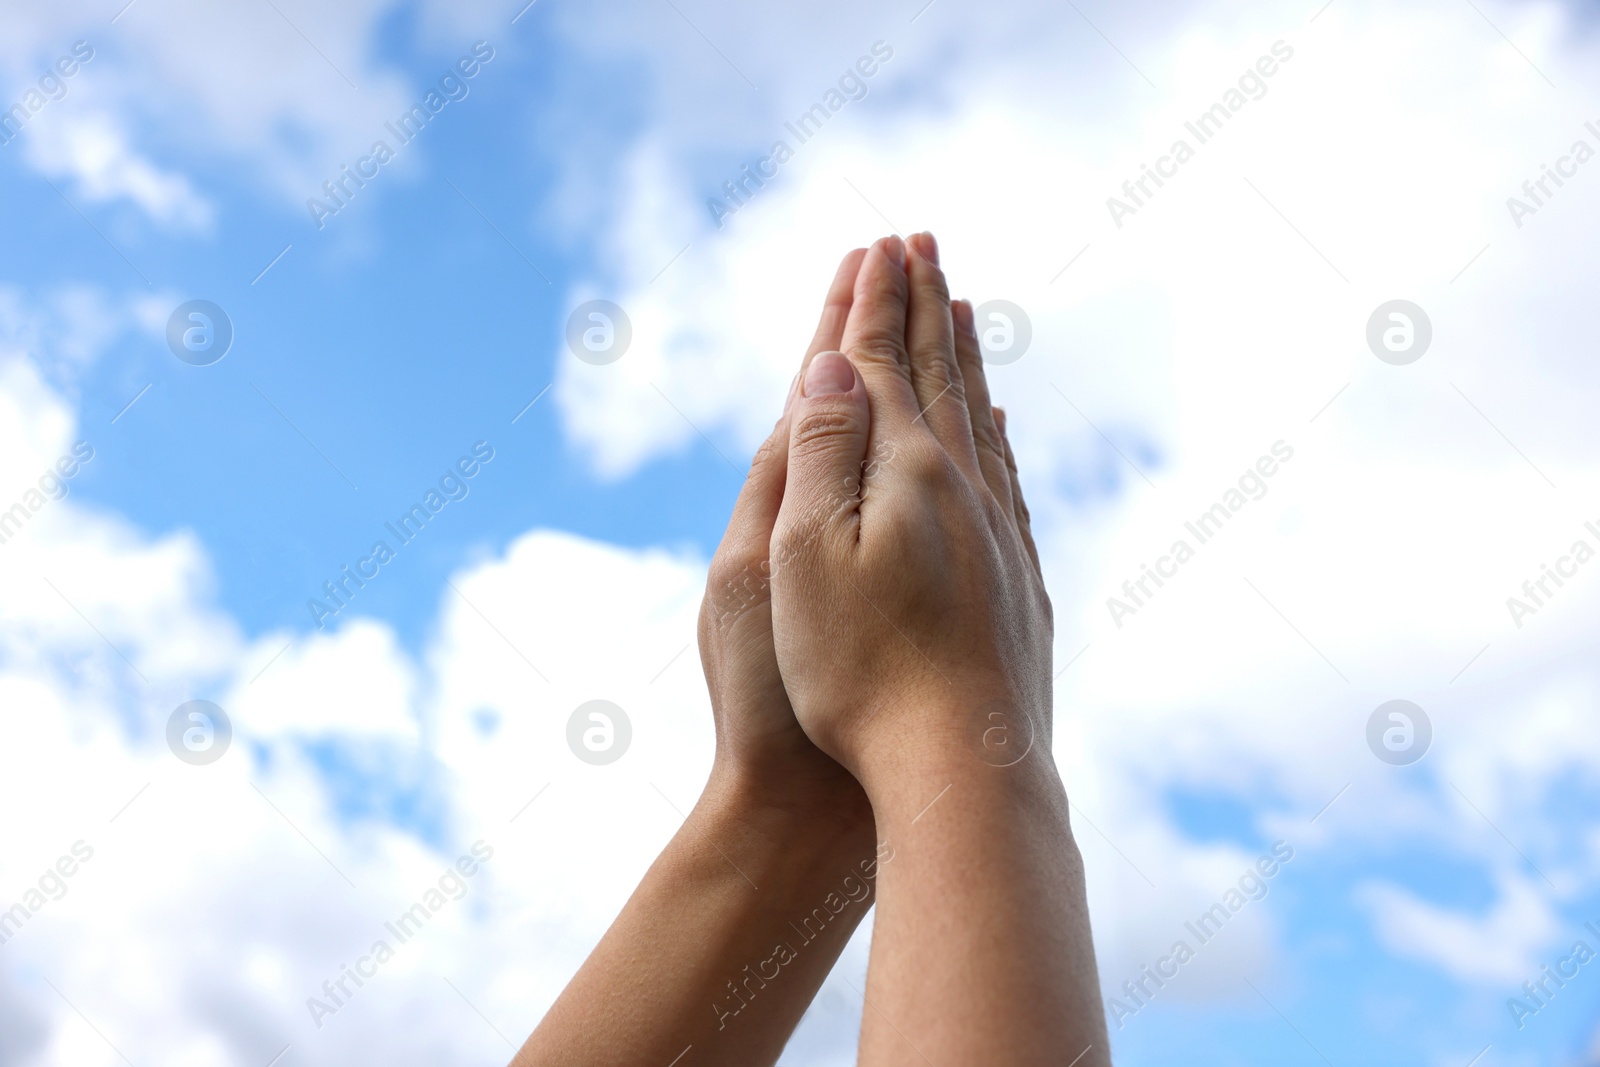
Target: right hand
{"points": [[910, 617]]}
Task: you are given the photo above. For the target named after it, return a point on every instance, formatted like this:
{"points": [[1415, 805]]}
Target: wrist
{"points": [[956, 738], [906, 783], [774, 811]]}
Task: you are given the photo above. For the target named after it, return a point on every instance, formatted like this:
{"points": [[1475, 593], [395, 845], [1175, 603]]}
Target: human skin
{"points": [[875, 615], [914, 635], [779, 831]]}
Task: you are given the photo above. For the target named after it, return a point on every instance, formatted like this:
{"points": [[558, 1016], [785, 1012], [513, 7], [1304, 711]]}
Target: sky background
{"points": [[1172, 347]]}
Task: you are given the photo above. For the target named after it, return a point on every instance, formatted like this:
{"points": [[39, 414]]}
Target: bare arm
{"points": [[712, 959], [914, 636], [718, 952], [982, 951]]}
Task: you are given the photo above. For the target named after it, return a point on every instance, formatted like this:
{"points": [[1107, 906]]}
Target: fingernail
{"points": [[895, 249], [999, 419], [829, 373], [928, 245]]}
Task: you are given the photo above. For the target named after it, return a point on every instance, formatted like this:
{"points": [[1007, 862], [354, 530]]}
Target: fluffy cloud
{"points": [[242, 886], [175, 91], [1228, 313], [96, 153], [1500, 947], [1204, 330]]}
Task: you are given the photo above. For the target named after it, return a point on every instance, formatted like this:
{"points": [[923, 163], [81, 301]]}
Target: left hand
{"points": [[761, 749]]}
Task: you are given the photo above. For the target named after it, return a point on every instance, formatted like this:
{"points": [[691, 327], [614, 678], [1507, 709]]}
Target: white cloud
{"points": [[1219, 319], [354, 682], [210, 881], [1198, 335], [96, 153], [1207, 254], [225, 886], [174, 92], [1500, 947]]}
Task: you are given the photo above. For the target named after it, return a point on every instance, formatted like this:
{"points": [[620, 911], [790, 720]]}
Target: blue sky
{"points": [[393, 338], [1227, 314]]}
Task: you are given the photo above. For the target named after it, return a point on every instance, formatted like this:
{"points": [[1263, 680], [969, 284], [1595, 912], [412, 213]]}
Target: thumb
{"points": [[828, 427]]}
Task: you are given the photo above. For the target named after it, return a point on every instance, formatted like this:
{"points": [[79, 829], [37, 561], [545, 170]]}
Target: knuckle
{"points": [[824, 424], [736, 581], [765, 454], [934, 285], [986, 435], [812, 522], [726, 569], [929, 465], [999, 515], [988, 438], [936, 363], [882, 347]]}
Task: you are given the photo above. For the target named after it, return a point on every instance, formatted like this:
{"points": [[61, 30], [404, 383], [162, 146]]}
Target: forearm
{"points": [[981, 951], [713, 953]]}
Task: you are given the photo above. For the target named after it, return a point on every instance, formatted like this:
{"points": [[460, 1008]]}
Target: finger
{"points": [[1019, 506], [756, 510], [930, 342], [986, 439], [828, 427], [875, 335], [754, 513], [836, 308]]}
